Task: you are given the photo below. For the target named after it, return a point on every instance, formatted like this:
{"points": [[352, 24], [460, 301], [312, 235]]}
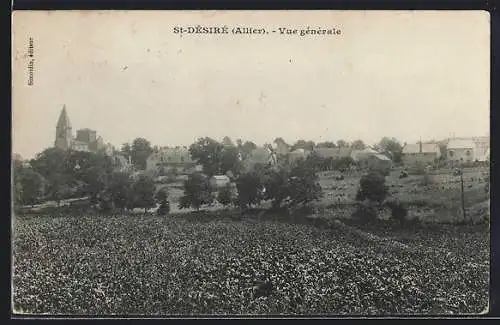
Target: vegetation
{"points": [[162, 199], [161, 266], [197, 192], [372, 188], [225, 195]]}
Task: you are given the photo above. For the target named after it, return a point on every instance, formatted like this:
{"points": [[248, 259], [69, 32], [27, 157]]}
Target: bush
{"points": [[365, 213], [399, 211], [225, 196], [249, 190], [197, 192], [372, 187], [162, 199], [164, 209]]}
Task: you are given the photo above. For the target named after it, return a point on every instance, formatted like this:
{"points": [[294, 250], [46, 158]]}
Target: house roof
{"points": [[461, 144], [426, 148], [300, 152], [221, 177], [173, 155], [259, 155], [333, 152], [359, 154], [381, 157]]}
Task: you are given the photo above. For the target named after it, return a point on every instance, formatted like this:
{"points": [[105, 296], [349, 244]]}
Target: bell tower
{"points": [[63, 131]]}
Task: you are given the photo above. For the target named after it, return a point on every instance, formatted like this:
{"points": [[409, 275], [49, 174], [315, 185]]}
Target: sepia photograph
{"points": [[250, 163]]}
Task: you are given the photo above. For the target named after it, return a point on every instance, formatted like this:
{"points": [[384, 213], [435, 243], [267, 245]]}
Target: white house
{"points": [[219, 181], [461, 150]]}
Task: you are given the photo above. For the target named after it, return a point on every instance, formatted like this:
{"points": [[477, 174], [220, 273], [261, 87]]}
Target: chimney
{"points": [[420, 146]]}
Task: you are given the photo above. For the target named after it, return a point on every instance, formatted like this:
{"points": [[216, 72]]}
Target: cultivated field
{"points": [[436, 199], [173, 265]]}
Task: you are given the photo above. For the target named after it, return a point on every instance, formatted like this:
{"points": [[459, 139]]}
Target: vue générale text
{"points": [[199, 29]]}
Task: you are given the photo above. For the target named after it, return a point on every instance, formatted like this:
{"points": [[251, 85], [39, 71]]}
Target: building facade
{"points": [[85, 140], [421, 154], [468, 149], [165, 159], [461, 150]]}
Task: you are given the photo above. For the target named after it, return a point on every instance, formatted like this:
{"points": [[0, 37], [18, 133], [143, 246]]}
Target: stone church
{"points": [[85, 140]]}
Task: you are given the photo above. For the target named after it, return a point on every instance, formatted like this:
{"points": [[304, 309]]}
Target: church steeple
{"points": [[63, 131], [63, 121]]}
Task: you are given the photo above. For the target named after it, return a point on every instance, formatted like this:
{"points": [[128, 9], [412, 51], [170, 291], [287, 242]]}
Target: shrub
{"points": [[249, 190], [372, 187], [365, 213], [197, 192], [304, 186], [162, 199], [399, 211], [225, 195]]}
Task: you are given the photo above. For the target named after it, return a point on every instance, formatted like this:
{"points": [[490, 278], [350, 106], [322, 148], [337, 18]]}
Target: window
{"points": [[467, 153], [450, 153]]}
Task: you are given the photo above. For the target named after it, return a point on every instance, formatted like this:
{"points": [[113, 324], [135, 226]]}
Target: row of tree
{"points": [[226, 152], [285, 185], [58, 175]]}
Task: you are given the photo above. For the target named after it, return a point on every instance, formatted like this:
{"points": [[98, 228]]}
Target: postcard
{"points": [[250, 163]]}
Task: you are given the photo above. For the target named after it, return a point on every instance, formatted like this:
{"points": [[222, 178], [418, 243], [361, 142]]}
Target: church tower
{"points": [[63, 131]]}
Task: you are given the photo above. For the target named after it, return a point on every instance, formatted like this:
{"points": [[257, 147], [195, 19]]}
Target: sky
{"points": [[408, 75]]}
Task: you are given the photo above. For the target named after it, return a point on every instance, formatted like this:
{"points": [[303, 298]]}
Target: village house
{"points": [[468, 149], [219, 181], [376, 162], [420, 154], [361, 154], [261, 156], [297, 154], [167, 159], [461, 150]]}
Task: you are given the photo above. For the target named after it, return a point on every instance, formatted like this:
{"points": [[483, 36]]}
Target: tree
{"points": [[197, 192], [226, 141], [304, 186], [245, 149], [302, 144], [58, 187], [326, 144], [342, 144], [94, 171], [275, 184], [225, 196], [358, 145], [372, 187], [249, 189], [17, 187], [230, 161], [162, 199], [126, 150], [443, 150], [391, 148], [28, 185], [121, 190], [140, 151], [216, 158], [143, 192], [105, 201], [281, 143], [208, 153]]}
